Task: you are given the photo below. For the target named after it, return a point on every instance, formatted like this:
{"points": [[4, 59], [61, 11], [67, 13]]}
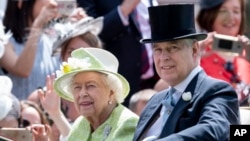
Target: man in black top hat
{"points": [[195, 106]]}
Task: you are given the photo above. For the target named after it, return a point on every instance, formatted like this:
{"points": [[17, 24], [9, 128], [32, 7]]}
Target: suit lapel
{"points": [[150, 113], [180, 107]]}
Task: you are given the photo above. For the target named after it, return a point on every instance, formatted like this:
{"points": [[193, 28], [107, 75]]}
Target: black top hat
{"points": [[172, 22]]}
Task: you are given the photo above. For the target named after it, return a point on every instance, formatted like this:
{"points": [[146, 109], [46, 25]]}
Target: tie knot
{"points": [[169, 101], [172, 91]]}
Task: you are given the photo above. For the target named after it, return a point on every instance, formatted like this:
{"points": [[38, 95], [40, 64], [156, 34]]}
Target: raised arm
{"points": [[51, 104], [22, 64]]}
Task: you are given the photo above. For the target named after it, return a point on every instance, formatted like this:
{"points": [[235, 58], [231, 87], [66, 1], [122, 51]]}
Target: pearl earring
{"points": [[110, 102]]}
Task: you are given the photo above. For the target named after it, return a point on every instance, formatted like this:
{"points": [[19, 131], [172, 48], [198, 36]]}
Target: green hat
{"points": [[88, 59]]}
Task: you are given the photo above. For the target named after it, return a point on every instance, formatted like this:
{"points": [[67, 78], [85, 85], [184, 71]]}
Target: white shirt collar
{"points": [[183, 85]]}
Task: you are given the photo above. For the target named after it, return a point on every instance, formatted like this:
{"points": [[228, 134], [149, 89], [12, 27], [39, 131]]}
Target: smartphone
{"points": [[226, 43], [17, 134], [66, 7]]}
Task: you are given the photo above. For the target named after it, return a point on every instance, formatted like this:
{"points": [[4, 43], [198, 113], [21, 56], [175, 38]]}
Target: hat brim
{"points": [[62, 84], [197, 36], [86, 25]]}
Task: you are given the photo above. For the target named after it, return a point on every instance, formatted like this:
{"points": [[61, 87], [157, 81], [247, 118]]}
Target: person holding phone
{"points": [[226, 17], [27, 58]]}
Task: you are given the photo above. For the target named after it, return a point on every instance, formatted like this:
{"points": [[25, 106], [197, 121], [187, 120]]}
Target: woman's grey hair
{"points": [[112, 82], [115, 84]]}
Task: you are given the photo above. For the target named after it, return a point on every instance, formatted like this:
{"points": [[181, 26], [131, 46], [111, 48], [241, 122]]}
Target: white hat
{"points": [[66, 31], [5, 106], [88, 59], [5, 85], [8, 101]]}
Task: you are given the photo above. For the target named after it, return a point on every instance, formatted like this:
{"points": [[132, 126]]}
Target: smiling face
{"points": [[92, 95], [228, 20], [174, 60]]}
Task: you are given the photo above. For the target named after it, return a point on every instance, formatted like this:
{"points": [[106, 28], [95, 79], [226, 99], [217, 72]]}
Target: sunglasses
{"points": [[24, 123]]}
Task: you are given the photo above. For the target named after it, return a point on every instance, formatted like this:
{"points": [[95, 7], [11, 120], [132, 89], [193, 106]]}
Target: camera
{"points": [[226, 43], [66, 7]]}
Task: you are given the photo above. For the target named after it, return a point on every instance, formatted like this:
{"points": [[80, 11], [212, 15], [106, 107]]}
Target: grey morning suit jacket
{"points": [[206, 117]]}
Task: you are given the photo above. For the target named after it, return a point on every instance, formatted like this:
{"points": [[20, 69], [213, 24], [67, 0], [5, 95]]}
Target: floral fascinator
{"points": [[5, 92], [88, 59], [4, 38], [61, 30]]}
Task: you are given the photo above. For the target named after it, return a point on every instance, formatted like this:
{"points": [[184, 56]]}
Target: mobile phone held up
{"points": [[16, 134], [66, 7], [226, 43]]}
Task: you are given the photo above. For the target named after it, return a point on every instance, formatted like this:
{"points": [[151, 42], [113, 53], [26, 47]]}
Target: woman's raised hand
{"points": [[47, 13], [49, 99], [245, 42]]}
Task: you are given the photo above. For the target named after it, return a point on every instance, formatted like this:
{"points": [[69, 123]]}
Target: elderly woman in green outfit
{"points": [[90, 79]]}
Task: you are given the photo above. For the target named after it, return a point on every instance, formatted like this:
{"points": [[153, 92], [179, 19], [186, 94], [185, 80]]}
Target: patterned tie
{"points": [[168, 104]]}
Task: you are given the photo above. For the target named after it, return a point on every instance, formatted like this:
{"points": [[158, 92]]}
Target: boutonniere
{"points": [[187, 96]]}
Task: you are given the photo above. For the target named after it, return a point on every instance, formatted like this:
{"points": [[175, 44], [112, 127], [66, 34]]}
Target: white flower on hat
{"points": [[187, 96], [72, 65], [4, 38]]}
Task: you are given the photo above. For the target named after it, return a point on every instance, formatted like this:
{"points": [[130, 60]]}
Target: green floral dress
{"points": [[120, 126]]}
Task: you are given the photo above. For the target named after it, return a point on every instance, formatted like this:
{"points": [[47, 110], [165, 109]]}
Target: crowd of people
{"points": [[123, 70]]}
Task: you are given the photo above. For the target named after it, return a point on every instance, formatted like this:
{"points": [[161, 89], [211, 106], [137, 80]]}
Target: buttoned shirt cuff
{"points": [[123, 18]]}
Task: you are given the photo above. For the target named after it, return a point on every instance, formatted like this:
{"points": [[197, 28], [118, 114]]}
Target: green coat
{"points": [[120, 126]]}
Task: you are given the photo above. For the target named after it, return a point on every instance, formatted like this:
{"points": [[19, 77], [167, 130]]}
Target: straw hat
{"points": [[88, 59]]}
